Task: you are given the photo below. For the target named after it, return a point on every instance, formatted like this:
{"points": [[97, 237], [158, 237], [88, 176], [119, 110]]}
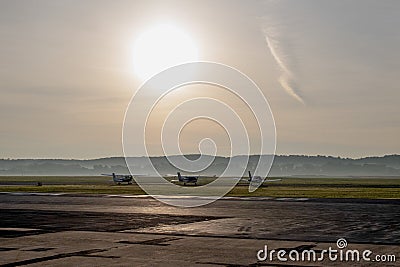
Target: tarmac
{"points": [[109, 230]]}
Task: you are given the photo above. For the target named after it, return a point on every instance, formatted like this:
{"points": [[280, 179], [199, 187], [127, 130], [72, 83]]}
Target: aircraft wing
{"points": [[272, 180]]}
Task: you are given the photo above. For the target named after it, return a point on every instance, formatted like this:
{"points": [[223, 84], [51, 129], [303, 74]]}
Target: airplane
{"points": [[259, 180], [120, 178], [186, 179]]}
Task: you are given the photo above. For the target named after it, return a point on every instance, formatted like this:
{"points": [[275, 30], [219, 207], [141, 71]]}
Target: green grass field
{"points": [[372, 188]]}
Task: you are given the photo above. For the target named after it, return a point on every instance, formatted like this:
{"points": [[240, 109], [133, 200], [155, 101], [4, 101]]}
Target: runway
{"points": [[73, 229]]}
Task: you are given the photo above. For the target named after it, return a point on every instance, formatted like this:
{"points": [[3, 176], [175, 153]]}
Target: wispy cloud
{"points": [[287, 79]]}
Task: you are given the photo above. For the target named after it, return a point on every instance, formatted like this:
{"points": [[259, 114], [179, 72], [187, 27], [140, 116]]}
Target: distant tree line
{"points": [[291, 165]]}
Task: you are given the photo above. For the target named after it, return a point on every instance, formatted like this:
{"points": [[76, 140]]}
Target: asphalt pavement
{"points": [[107, 230]]}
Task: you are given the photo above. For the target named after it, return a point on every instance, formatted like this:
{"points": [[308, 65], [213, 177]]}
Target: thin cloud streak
{"points": [[286, 79]]}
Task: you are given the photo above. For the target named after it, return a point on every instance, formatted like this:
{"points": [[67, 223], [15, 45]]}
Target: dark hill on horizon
{"points": [[291, 165]]}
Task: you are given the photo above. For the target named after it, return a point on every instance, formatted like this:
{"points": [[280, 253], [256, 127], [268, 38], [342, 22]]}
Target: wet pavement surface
{"points": [[65, 230]]}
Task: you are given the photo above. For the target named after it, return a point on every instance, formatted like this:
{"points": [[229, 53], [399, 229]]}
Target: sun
{"points": [[160, 47]]}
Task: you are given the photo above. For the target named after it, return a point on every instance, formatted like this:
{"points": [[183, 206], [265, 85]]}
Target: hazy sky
{"points": [[329, 69]]}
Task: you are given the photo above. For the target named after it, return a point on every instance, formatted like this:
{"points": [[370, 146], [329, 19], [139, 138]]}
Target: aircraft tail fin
{"points": [[250, 177], [179, 176]]}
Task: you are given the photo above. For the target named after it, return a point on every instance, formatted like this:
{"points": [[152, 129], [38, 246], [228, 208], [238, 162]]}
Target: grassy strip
{"points": [[368, 187], [320, 192], [275, 191], [86, 189]]}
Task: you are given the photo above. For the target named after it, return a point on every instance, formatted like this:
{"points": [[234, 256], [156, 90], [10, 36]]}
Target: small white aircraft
{"points": [[120, 178], [259, 180], [186, 179]]}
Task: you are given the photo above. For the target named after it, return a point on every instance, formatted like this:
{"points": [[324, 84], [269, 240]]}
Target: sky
{"points": [[329, 70]]}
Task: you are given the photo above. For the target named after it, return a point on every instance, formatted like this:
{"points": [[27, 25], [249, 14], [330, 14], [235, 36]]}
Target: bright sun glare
{"points": [[161, 47]]}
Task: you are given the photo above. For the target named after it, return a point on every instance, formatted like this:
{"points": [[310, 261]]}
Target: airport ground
{"points": [[53, 228]]}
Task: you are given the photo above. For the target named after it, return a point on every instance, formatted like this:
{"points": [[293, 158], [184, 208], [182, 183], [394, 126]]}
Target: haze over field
{"points": [[319, 166], [329, 70]]}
